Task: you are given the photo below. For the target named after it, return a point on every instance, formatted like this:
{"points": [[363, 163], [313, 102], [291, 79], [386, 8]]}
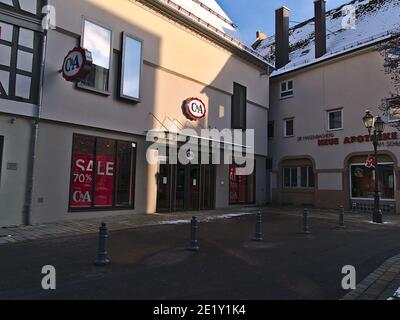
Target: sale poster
{"points": [[104, 181], [82, 181]]}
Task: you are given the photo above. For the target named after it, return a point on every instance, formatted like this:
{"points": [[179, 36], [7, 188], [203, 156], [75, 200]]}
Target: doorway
{"points": [[185, 188]]}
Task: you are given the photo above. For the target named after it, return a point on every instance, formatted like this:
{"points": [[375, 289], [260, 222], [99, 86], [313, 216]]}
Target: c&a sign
{"points": [[77, 64], [194, 109]]}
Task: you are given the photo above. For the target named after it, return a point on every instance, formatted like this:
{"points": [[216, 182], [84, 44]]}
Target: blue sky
{"points": [[253, 15]]}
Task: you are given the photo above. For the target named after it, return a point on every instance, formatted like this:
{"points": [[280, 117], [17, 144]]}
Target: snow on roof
{"points": [[375, 20], [209, 14]]}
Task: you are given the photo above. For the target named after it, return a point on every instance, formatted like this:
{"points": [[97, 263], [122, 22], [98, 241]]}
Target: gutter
{"points": [[333, 56], [27, 214]]}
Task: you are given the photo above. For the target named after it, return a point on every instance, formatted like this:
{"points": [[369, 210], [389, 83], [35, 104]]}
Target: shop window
{"points": [[242, 189], [298, 177], [98, 40], [239, 107], [288, 125], [19, 63], [102, 174], [335, 120], [363, 181], [271, 129], [286, 89], [131, 68]]}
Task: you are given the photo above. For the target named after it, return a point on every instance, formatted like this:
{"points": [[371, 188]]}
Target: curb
{"points": [[380, 284]]}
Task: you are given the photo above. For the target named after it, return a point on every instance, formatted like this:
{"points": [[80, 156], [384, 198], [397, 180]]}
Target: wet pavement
{"points": [[154, 263]]}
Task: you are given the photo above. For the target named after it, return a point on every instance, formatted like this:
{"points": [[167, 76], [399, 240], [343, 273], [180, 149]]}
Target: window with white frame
{"points": [[288, 126], [335, 119], [98, 40], [131, 68], [393, 109], [298, 177], [286, 89]]}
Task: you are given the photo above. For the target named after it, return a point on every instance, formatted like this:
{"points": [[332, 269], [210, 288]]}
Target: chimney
{"points": [[281, 37], [320, 28]]}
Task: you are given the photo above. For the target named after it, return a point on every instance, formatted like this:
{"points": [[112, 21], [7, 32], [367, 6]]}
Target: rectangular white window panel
{"points": [[26, 38], [5, 55], [5, 80], [24, 61], [28, 5], [6, 33], [286, 89], [131, 67], [23, 86], [7, 2]]}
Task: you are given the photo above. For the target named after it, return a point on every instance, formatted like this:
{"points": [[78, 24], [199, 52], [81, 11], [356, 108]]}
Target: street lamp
{"points": [[375, 127]]}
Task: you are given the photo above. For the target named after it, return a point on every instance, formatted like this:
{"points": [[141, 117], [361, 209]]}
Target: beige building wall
{"points": [[354, 82], [16, 131], [178, 64]]}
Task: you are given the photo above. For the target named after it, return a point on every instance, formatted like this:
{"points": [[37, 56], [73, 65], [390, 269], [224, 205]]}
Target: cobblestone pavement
{"points": [[380, 284], [114, 223], [129, 221]]}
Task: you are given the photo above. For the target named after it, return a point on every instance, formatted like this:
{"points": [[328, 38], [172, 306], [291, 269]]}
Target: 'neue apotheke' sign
{"points": [[357, 139]]}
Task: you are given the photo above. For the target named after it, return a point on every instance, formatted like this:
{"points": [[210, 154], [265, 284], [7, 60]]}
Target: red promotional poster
{"points": [[82, 181], [104, 181]]}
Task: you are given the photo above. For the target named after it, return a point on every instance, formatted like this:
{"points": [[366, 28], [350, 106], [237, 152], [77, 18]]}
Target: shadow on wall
{"points": [[84, 112]]}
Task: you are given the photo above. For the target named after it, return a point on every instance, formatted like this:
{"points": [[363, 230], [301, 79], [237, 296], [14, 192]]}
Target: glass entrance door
{"points": [[164, 189], [185, 187], [194, 188]]}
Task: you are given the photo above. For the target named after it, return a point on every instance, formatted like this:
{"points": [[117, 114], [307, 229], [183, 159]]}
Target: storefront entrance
{"points": [[186, 187]]}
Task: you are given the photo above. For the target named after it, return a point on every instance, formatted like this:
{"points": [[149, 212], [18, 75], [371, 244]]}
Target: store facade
{"points": [[326, 160], [91, 153]]}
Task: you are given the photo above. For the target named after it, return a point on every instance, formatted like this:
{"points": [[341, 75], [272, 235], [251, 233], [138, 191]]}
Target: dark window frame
{"points": [[124, 36], [238, 110], [114, 207], [17, 8], [12, 69]]}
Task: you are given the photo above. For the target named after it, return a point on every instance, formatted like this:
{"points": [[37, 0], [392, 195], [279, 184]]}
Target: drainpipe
{"points": [[27, 215]]}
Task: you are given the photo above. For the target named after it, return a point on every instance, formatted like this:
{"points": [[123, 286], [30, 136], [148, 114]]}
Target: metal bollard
{"points": [[341, 217], [306, 227], [194, 244], [258, 235], [380, 217], [102, 252]]}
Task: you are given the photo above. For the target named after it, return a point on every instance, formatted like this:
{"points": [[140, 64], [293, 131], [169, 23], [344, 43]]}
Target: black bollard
{"points": [[102, 252], [258, 235], [379, 217], [341, 217], [306, 227], [194, 226]]}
